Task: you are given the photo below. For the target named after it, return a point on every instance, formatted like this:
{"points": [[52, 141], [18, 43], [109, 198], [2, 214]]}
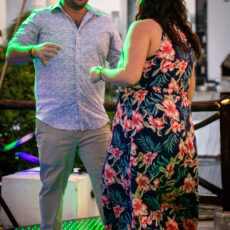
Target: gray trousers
{"points": [[57, 153]]}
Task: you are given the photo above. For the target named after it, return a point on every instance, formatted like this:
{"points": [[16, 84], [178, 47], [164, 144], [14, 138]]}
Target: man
{"points": [[64, 41]]}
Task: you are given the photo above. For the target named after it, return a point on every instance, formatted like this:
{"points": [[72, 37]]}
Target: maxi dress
{"points": [[150, 174]]}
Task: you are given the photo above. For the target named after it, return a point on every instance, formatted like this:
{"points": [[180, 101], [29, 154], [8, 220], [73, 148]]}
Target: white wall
{"points": [[9, 10], [218, 36], [2, 19], [124, 18], [191, 7], [39, 4], [106, 5], [13, 8], [109, 7]]}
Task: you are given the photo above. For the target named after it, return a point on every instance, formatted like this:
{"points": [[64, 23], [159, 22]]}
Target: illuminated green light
{"points": [[17, 143], [81, 224]]}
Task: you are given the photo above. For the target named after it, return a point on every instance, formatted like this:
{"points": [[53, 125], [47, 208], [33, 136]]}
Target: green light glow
{"points": [[93, 223]]}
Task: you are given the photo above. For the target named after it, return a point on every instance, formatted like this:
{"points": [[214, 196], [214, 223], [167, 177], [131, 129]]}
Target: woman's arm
{"points": [[191, 88], [135, 49]]}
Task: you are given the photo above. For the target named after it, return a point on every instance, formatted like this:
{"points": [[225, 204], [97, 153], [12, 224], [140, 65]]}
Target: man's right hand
{"points": [[46, 51]]}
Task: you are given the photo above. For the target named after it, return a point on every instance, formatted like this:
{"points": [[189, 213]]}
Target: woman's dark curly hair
{"points": [[171, 13]]}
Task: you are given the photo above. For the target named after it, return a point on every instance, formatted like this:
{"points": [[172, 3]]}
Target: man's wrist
{"points": [[31, 52], [100, 72]]}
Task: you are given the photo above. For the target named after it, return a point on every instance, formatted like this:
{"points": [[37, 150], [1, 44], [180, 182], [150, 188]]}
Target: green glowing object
{"points": [[93, 223]]}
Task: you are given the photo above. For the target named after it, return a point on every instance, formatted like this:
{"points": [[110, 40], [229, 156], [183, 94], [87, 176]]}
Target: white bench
{"points": [[21, 194]]}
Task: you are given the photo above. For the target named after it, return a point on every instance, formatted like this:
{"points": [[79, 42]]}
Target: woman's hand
{"points": [[95, 74]]}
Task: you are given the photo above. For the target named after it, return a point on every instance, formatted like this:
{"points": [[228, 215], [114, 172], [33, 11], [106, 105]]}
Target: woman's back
{"points": [[166, 61]]}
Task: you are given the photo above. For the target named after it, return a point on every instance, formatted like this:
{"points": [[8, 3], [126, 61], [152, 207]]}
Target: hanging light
{"points": [[225, 101]]}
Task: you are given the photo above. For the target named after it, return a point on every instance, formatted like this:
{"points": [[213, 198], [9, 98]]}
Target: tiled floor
{"points": [[206, 225], [206, 216]]}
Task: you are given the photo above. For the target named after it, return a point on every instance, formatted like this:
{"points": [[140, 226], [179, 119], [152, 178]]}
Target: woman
{"points": [[150, 174]]}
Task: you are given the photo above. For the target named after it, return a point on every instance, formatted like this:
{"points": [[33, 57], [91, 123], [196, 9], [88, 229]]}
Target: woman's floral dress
{"points": [[150, 175]]}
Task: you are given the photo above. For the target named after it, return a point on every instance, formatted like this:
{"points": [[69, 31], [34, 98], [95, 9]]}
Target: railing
{"points": [[222, 109]]}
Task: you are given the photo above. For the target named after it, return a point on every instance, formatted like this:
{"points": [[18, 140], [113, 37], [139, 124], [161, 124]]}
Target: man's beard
{"points": [[75, 6]]}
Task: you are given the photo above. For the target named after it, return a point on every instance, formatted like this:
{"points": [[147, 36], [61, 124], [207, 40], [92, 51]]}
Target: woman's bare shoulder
{"points": [[147, 26]]}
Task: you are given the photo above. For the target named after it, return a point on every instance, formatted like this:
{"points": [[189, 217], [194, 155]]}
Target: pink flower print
{"points": [[182, 66], [170, 170], [110, 173], [196, 162], [185, 98], [183, 150], [157, 215], [119, 113], [108, 227], [171, 224], [188, 162], [139, 208], [137, 119], [165, 66], [140, 95], [156, 183], [133, 223], [190, 224], [127, 124], [170, 109], [157, 89], [173, 86], [133, 160], [147, 66], [144, 221], [117, 153], [190, 146], [172, 66], [143, 182], [118, 210], [133, 148], [105, 200], [125, 183], [164, 207], [183, 37], [128, 92], [156, 123], [149, 157], [189, 184], [166, 50], [176, 127]]}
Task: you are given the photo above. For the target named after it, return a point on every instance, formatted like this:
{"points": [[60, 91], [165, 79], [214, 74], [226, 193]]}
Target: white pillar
{"points": [[191, 7], [3, 21], [218, 34], [124, 18], [39, 4]]}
